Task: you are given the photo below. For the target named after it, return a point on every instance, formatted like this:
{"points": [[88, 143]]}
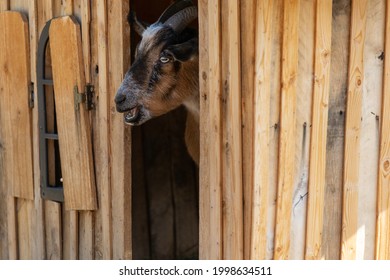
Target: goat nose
{"points": [[120, 98]]}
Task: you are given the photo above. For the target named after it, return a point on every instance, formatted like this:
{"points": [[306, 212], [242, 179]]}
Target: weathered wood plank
{"points": [[38, 226], [204, 172], [72, 119], [215, 130], [232, 148], [70, 232], [16, 114], [335, 134], [352, 131], [82, 11], [24, 229], [53, 230], [102, 118], [118, 38], [302, 128], [275, 98], [4, 5], [370, 126], [287, 126], [15, 78], [248, 18], [319, 125], [261, 161], [382, 250]]}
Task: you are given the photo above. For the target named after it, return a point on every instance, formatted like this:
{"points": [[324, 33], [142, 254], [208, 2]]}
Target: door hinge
{"points": [[31, 95], [84, 97]]}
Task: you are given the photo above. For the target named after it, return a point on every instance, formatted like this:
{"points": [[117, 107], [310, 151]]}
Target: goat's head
{"points": [[165, 60]]}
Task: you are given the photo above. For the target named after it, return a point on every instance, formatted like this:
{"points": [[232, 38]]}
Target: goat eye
{"points": [[164, 59]]}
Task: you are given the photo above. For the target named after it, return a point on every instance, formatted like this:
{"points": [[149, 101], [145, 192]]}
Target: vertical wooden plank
{"points": [[94, 75], [204, 172], [248, 17], [370, 126], [232, 148], [16, 78], [305, 79], [319, 129], [287, 125], [215, 129], [70, 229], [336, 130], [38, 226], [4, 5], [262, 84], [82, 11], [352, 131], [67, 7], [4, 199], [382, 250], [118, 39], [274, 124], [103, 127]]}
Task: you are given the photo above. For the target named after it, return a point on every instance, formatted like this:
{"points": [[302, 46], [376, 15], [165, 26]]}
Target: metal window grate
{"points": [[49, 159]]}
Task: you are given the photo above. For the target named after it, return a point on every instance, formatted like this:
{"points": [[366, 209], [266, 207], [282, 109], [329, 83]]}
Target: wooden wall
{"points": [[39, 229], [293, 97]]}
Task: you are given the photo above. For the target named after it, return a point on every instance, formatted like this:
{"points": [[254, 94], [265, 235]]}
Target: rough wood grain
{"points": [[38, 226], [102, 141], [335, 135], [370, 126], [215, 130], [15, 78], [248, 19], [382, 249], [352, 131], [262, 87], [232, 148], [73, 123], [319, 126], [287, 126], [14, 97], [118, 38], [204, 172], [275, 97], [4, 5]]}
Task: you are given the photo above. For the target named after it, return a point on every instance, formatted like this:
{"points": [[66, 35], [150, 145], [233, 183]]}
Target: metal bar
{"points": [[51, 136], [47, 82]]}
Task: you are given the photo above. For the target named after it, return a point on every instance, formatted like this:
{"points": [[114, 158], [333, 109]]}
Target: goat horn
{"points": [[173, 9], [180, 20]]}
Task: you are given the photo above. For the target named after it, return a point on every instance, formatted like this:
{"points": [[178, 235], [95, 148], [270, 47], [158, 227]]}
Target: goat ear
{"points": [[184, 51], [139, 26]]}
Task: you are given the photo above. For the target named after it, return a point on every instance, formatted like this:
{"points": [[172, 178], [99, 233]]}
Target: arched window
{"points": [[49, 155]]}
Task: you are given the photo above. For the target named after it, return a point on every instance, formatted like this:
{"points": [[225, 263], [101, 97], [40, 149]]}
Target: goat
{"points": [[164, 74]]}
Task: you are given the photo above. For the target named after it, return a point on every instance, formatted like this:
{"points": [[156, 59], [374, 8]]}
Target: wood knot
{"points": [[386, 166], [204, 75], [358, 81]]}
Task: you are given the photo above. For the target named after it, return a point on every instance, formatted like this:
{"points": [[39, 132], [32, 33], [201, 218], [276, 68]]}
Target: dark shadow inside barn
{"points": [[165, 179]]}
